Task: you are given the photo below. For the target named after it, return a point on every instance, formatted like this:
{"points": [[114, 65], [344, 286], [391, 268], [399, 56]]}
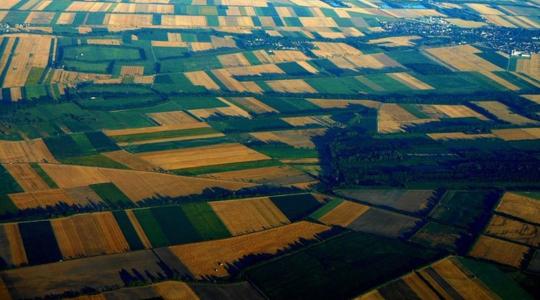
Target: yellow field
{"points": [[310, 120], [202, 156], [392, 118], [504, 113], [466, 23], [44, 198], [419, 286], [127, 21], [277, 175], [484, 9], [40, 18], [343, 103], [111, 42], [89, 235], [7, 51], [7, 4], [183, 21], [318, 22], [71, 79], [291, 86], [465, 284], [32, 52], [137, 185], [327, 49], [11, 246], [500, 251], [132, 70], [410, 81], [278, 56], [249, 215], [227, 79], [25, 151], [233, 110], [200, 78], [253, 105], [233, 60], [460, 136], [172, 118], [513, 230], [344, 214], [255, 70], [462, 58], [130, 160], [175, 290], [295, 138], [520, 206], [395, 41], [211, 258], [413, 13], [530, 66], [452, 111], [517, 134], [27, 178]]}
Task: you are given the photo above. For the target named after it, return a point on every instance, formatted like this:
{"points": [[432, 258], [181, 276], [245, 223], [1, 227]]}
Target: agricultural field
{"points": [[291, 149]]}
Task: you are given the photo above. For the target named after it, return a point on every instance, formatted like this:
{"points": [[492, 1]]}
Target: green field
{"points": [[336, 268]]}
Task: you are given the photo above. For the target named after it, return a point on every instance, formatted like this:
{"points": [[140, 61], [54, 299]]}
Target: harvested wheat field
{"points": [[463, 58], [130, 160], [99, 272], [51, 197], [509, 229], [200, 78], [451, 111], [521, 206], [343, 103], [410, 81], [457, 279], [227, 79], [26, 176], [500, 251], [172, 118], [25, 151], [344, 214], [137, 185], [132, 71], [517, 134], [393, 118], [202, 156], [212, 258], [89, 235], [395, 41], [295, 138], [31, 52], [252, 105], [276, 175], [530, 66], [460, 136], [7, 4], [291, 86], [419, 286], [328, 50], [249, 215], [466, 23], [233, 60], [11, 245], [256, 70], [230, 110], [325, 120]]}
